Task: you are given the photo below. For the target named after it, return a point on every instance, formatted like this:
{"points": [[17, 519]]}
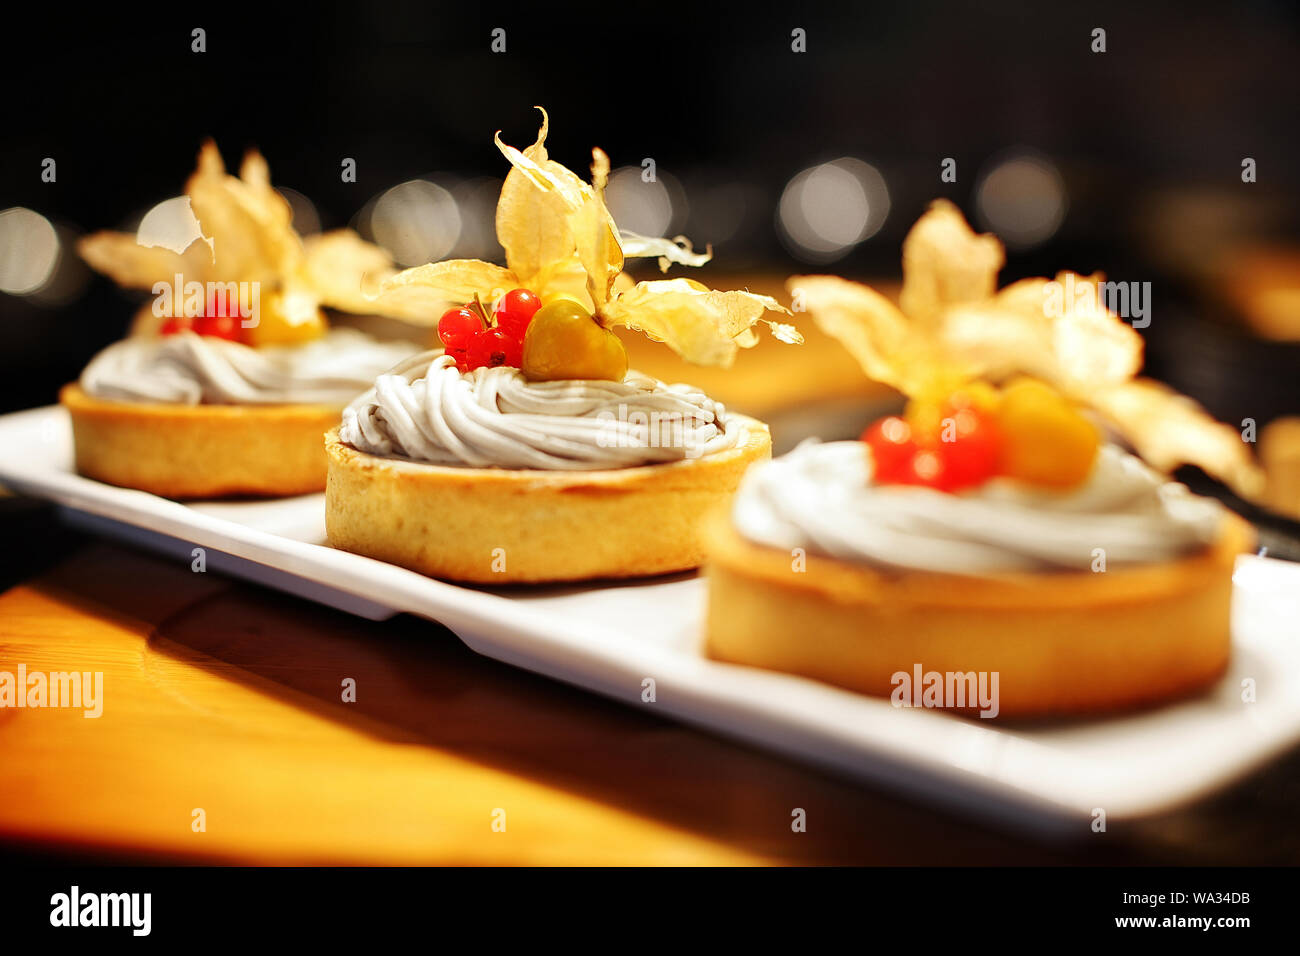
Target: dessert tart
{"points": [[994, 530], [230, 378], [525, 450], [489, 477], [195, 416]]}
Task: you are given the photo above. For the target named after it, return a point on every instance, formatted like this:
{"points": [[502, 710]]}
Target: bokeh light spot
{"points": [[29, 251]]}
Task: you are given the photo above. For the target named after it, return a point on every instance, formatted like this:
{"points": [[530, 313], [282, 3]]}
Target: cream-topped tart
{"points": [[232, 375], [990, 529], [526, 451]]}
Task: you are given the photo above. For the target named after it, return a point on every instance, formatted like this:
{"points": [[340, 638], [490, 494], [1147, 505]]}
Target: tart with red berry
{"points": [[232, 375], [526, 450], [1015, 520]]}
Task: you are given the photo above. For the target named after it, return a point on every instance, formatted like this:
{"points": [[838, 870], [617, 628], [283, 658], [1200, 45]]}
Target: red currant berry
{"points": [[457, 326], [490, 348], [514, 349], [515, 311], [970, 445], [892, 448], [929, 468], [217, 326], [461, 357], [173, 325]]}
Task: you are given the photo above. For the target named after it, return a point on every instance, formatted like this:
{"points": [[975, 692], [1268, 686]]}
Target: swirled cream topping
{"points": [[820, 497], [189, 369], [425, 410]]}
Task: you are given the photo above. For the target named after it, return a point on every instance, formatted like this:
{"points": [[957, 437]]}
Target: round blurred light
{"points": [[416, 221], [652, 208], [306, 220], [170, 225], [29, 251], [827, 210], [1022, 200]]}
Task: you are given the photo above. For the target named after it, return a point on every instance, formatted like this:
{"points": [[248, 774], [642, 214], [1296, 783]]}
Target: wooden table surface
{"points": [[225, 697]]}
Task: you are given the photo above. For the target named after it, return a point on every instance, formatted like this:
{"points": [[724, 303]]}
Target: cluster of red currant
{"points": [[475, 341], [949, 446], [1027, 431], [215, 323]]}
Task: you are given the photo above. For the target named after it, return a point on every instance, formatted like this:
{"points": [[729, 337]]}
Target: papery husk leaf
{"points": [[676, 250], [590, 226], [120, 257], [946, 264], [249, 224], [340, 265], [783, 332], [545, 173], [876, 333], [1168, 429], [701, 325], [568, 277], [1077, 351], [533, 222], [597, 236], [255, 173], [423, 293]]}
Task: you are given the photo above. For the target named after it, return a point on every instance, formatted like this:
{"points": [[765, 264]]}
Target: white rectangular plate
{"points": [[609, 638]]}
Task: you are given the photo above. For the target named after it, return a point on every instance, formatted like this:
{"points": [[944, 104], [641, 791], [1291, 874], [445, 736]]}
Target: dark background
{"points": [[1165, 116]]}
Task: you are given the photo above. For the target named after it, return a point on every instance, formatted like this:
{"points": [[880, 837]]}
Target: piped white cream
{"points": [[820, 497], [427, 411], [189, 369]]}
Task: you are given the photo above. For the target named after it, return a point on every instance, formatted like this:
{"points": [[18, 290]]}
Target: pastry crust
{"points": [[1069, 642], [504, 526], [200, 451]]}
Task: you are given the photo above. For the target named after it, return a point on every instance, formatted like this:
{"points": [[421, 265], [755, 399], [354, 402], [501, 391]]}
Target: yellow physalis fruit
{"points": [[564, 341], [1045, 439], [287, 318]]}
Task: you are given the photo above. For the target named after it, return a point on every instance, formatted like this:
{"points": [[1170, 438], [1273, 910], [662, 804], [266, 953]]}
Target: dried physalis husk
{"points": [[247, 235], [702, 325], [120, 257], [532, 220], [963, 329], [538, 203], [1169, 429], [588, 227], [560, 238]]}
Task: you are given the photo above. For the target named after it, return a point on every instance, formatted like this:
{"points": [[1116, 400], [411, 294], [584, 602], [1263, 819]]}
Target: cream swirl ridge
{"points": [[188, 369], [425, 410], [820, 497]]}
